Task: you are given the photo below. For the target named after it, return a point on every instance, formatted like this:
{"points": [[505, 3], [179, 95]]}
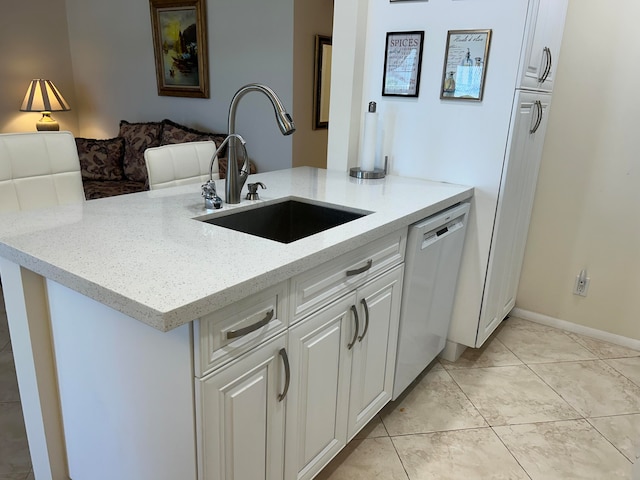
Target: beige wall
{"points": [[35, 44], [587, 207], [310, 19], [100, 55]]}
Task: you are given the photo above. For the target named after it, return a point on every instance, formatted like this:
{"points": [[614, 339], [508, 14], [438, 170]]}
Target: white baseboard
{"points": [[575, 328]]}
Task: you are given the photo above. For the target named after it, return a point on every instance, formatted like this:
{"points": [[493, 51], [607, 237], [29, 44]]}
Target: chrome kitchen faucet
{"points": [[235, 180]]}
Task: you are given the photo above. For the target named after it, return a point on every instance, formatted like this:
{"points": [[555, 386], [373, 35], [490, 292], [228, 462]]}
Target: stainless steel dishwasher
{"points": [[434, 250]]}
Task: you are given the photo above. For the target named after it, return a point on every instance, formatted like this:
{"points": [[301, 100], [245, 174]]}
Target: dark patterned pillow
{"points": [[101, 159], [137, 138], [173, 132]]}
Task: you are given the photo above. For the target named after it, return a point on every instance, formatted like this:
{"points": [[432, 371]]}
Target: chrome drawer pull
{"points": [[360, 270], [366, 318], [251, 328], [355, 333], [287, 374]]}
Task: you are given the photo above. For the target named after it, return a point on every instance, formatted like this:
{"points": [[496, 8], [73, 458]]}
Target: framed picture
{"points": [[402, 64], [322, 82], [180, 47], [465, 64]]}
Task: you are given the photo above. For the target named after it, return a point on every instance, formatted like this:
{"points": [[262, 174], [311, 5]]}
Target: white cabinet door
{"points": [[243, 418], [317, 403], [515, 203], [378, 304], [543, 46]]}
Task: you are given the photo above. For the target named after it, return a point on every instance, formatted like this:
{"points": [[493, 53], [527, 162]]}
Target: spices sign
{"points": [[402, 64]]}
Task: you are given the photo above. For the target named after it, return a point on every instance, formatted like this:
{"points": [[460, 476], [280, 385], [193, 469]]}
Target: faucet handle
{"points": [[211, 198], [253, 190]]}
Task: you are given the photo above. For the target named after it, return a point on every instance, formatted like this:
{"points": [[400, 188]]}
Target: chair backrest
{"points": [[38, 170], [180, 164]]}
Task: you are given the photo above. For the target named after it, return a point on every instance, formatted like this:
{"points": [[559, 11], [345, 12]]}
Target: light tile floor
{"points": [[533, 403]]}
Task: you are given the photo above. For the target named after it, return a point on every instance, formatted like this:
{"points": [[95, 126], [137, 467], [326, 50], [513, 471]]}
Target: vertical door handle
{"points": [[550, 64], [547, 65], [355, 333], [287, 374], [539, 113], [366, 318]]}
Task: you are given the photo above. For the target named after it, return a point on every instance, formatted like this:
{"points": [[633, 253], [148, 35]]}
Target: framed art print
{"points": [[180, 47], [465, 64], [402, 64], [322, 82]]}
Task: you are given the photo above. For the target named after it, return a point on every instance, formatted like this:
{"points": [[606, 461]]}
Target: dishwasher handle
{"points": [[433, 236]]}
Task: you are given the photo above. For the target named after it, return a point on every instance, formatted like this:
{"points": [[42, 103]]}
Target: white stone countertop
{"points": [[144, 254]]}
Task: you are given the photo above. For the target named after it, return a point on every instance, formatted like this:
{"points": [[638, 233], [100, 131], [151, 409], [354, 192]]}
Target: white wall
{"points": [[587, 207], [114, 72], [35, 45], [447, 140], [588, 195]]}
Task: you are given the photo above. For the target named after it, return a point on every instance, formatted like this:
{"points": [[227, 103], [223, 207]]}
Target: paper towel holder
{"points": [[357, 172]]}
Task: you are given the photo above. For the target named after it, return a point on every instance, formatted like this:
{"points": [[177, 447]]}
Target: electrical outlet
{"points": [[581, 286]]}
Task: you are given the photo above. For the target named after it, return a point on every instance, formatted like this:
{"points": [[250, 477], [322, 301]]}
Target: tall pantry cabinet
{"points": [[532, 99]]}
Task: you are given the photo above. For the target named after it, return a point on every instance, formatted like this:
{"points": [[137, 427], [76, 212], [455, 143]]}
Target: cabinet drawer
{"points": [[317, 287], [237, 328]]}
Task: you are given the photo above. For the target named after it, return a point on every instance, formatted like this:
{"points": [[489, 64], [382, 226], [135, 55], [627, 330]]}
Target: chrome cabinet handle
{"points": [[544, 69], [366, 318], [547, 65], [251, 328], [550, 64], [357, 271], [538, 121], [287, 374], [355, 334]]}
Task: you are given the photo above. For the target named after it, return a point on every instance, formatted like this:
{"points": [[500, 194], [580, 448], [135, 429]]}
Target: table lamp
{"points": [[43, 96]]}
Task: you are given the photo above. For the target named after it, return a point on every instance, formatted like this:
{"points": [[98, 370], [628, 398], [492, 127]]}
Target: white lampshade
{"points": [[43, 96]]}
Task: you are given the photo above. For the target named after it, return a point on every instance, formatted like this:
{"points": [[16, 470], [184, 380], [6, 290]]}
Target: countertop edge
{"points": [[168, 320]]}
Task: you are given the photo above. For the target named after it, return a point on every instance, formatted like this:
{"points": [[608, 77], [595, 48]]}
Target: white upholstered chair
{"points": [[39, 169], [180, 164]]}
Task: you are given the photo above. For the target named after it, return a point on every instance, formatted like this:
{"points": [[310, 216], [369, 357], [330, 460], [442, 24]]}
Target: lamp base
{"points": [[47, 124]]}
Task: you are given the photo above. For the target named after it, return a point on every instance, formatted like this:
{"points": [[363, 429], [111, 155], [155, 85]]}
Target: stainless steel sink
{"points": [[286, 221]]}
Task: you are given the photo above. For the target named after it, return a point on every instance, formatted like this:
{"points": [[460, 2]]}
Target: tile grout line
{"points": [[492, 426], [466, 396], [554, 390], [582, 417], [511, 453], [604, 360], [393, 444], [608, 441]]}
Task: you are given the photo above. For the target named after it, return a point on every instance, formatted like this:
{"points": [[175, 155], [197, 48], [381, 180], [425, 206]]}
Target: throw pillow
{"points": [[138, 137], [101, 159], [173, 132]]}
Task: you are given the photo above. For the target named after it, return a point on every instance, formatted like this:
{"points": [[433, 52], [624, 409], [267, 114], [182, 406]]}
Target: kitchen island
{"points": [[120, 284]]}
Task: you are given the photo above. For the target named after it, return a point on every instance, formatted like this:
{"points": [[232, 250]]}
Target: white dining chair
{"points": [[38, 170], [180, 164]]}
